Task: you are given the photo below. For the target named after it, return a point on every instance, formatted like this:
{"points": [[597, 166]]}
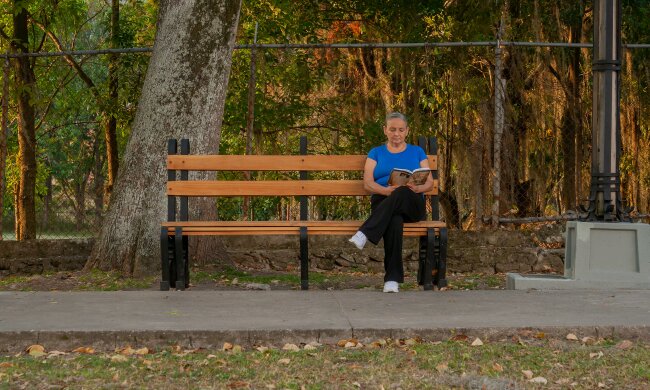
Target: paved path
{"points": [[65, 320]]}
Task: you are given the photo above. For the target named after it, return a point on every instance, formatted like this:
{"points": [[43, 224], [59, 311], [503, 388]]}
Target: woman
{"points": [[391, 206]]}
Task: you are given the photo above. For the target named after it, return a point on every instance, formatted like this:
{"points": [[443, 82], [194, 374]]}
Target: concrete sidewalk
{"points": [[106, 320]]}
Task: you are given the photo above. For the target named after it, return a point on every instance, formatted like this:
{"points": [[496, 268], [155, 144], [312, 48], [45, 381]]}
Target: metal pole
{"points": [[250, 121], [605, 203], [499, 121]]}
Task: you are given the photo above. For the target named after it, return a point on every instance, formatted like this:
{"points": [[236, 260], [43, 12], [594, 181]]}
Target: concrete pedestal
{"points": [[597, 255]]}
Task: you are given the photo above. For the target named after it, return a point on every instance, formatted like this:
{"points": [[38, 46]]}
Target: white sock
{"points": [[359, 239]]}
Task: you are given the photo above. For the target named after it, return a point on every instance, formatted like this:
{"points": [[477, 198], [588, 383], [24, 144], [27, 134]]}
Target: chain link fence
{"points": [[534, 186]]}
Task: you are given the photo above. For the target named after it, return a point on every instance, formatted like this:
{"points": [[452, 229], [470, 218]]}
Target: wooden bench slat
{"points": [[414, 233], [272, 162], [421, 224], [270, 188]]}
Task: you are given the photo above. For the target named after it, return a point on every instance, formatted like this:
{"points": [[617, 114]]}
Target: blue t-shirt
{"points": [[409, 158]]}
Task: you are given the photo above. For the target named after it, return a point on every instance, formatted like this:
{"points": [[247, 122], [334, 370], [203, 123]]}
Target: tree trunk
{"points": [[182, 97], [25, 85], [3, 137], [110, 119]]}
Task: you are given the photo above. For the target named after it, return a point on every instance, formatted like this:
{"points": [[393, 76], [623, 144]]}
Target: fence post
{"points": [[499, 120]]}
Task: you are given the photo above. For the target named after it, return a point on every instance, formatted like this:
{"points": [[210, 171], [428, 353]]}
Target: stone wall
{"points": [[39, 256], [487, 251]]}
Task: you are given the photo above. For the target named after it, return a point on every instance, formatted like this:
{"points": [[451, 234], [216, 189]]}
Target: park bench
{"points": [[176, 231]]}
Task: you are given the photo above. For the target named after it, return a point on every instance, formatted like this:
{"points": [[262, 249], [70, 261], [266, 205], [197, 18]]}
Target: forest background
{"points": [[79, 109]]}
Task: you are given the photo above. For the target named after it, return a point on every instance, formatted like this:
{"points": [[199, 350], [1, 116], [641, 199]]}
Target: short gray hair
{"points": [[397, 115]]}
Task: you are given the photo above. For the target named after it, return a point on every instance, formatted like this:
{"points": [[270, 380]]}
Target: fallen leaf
{"points": [[6, 364], [588, 340], [410, 342], [625, 344], [119, 358], [356, 384], [315, 344], [497, 367], [601, 385], [142, 351], [237, 384], [284, 361], [86, 350], [36, 350], [349, 344], [237, 348], [262, 349], [309, 347], [460, 337], [477, 342], [528, 374], [572, 337], [442, 367], [341, 343], [291, 347], [596, 355], [226, 347], [56, 353], [563, 381], [211, 356], [540, 335], [538, 379], [235, 281]]}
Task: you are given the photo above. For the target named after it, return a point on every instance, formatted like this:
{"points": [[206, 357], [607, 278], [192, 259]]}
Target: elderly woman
{"points": [[390, 205]]}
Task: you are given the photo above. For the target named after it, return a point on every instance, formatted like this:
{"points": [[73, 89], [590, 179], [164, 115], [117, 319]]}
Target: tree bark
{"points": [[110, 117], [3, 136], [25, 85], [182, 97]]}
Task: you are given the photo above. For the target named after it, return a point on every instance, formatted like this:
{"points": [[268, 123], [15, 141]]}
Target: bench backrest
{"points": [[300, 187]]}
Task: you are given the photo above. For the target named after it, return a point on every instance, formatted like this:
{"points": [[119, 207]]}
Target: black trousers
{"points": [[387, 217]]}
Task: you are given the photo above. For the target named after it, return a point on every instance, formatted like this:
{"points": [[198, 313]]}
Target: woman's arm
{"points": [[369, 183], [428, 185]]}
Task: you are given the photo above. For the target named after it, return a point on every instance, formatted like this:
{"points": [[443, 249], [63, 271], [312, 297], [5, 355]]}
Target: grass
{"points": [[230, 274], [94, 280], [406, 365]]}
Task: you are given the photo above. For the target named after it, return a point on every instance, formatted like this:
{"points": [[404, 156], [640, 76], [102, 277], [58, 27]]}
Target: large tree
{"points": [[182, 97]]}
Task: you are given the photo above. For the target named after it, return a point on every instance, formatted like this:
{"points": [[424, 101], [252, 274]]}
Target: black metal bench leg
{"points": [[180, 259], [422, 258], [186, 260], [164, 259], [429, 259], [441, 275], [304, 259]]}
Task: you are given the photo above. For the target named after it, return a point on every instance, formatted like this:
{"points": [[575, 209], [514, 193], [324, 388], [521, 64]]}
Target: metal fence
{"points": [[467, 201]]}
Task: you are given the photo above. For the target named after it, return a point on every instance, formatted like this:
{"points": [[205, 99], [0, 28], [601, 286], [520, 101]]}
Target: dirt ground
{"points": [[208, 278]]}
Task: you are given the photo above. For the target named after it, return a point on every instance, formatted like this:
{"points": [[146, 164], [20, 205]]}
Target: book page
{"points": [[398, 178], [420, 177]]}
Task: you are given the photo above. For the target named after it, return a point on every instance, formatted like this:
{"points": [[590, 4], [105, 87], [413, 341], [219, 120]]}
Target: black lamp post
{"points": [[605, 203]]}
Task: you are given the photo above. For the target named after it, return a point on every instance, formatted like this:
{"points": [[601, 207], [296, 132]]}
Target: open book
{"points": [[401, 177]]}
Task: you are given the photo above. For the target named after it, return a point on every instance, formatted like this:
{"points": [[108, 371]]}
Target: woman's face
{"points": [[396, 131]]}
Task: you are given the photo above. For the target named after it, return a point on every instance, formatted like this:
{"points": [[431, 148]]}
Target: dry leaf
{"points": [[87, 350], [226, 347], [119, 358], [601, 385], [572, 337], [262, 349], [284, 361], [442, 367], [538, 379], [540, 335], [128, 351], [528, 374], [291, 347], [211, 356], [341, 343], [56, 353], [563, 381], [349, 344], [6, 364], [497, 367], [588, 340], [309, 347], [35, 350], [477, 342], [410, 342], [460, 337], [625, 344], [596, 355]]}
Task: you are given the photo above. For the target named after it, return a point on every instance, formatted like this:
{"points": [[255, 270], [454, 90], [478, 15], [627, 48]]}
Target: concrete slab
{"points": [[106, 320]]}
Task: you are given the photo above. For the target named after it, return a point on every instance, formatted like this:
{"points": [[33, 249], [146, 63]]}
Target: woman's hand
{"points": [[389, 190], [417, 189]]}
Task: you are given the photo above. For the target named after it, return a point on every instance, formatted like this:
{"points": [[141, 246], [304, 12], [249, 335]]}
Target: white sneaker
{"points": [[391, 287], [359, 240]]}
